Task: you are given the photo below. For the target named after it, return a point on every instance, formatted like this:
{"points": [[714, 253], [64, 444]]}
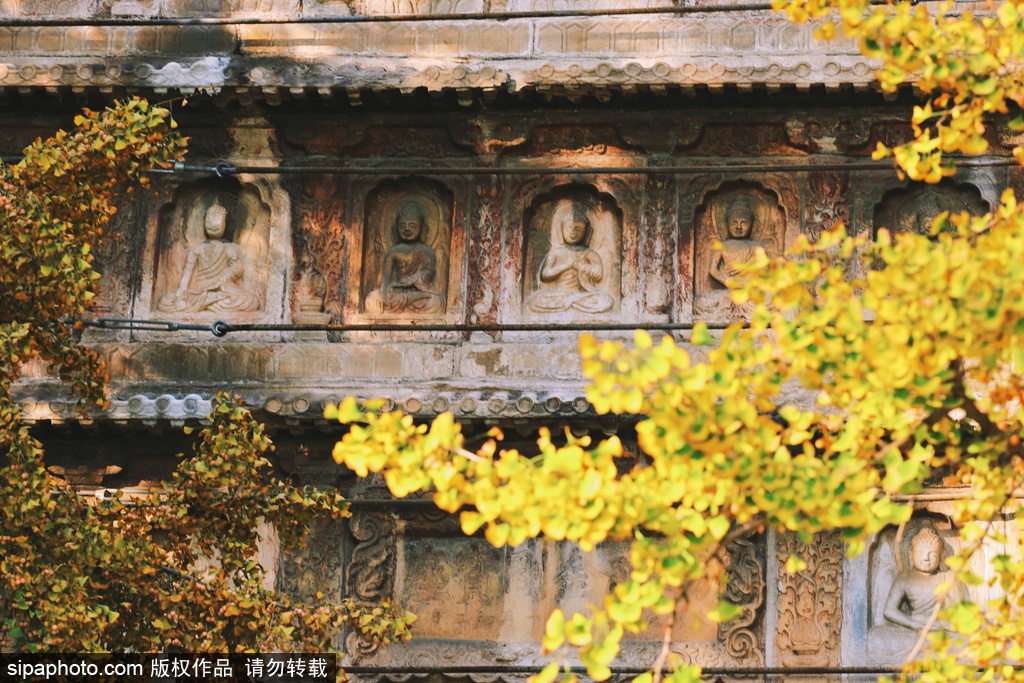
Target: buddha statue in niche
{"points": [[738, 247], [571, 273], [213, 279], [904, 597], [912, 597], [408, 272]]}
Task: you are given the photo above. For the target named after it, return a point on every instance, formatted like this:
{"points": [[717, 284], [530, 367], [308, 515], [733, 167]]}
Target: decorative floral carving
{"points": [[810, 602], [744, 588], [828, 202]]}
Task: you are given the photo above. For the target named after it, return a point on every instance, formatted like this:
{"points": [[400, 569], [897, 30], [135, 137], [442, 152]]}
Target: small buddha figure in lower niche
{"points": [[213, 278], [571, 273], [912, 597], [408, 272], [806, 635], [738, 248]]}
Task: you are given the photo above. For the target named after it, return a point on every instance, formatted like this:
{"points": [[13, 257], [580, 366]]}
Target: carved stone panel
{"points": [[410, 253], [370, 574], [810, 602], [457, 585], [319, 246], [215, 259], [904, 572], [573, 247], [318, 566], [828, 202], [913, 209], [217, 251], [743, 217], [120, 245], [479, 605]]}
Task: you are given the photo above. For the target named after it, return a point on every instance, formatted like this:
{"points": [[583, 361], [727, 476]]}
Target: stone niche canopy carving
{"points": [[914, 208], [214, 252], [809, 601], [744, 217], [572, 255], [406, 250]]}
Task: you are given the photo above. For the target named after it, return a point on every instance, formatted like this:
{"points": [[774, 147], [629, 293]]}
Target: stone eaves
{"points": [[747, 48]]}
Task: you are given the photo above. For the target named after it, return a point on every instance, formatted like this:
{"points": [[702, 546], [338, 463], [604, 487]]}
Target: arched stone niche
{"points": [[913, 208], [743, 216], [407, 266], [218, 250], [572, 256], [535, 205], [889, 590]]}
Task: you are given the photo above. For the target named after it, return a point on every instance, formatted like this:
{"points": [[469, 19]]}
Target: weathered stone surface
{"points": [[311, 249], [586, 52]]}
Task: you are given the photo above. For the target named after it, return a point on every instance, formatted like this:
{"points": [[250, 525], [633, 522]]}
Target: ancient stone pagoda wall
{"points": [[428, 247], [577, 55]]}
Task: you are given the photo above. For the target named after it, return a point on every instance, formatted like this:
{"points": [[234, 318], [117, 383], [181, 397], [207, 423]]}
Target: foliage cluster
{"points": [[909, 346], [966, 62], [172, 570]]}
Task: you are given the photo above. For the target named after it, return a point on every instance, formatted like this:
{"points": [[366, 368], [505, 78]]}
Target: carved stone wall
{"points": [[447, 242], [479, 605], [491, 249]]}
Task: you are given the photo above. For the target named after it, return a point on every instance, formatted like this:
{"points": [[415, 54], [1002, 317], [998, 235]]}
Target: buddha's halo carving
{"points": [[914, 208], [214, 252], [743, 217], [407, 246], [572, 256]]}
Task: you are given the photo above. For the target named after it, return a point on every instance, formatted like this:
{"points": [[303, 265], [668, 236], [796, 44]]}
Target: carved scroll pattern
{"points": [[371, 569], [810, 602], [829, 202], [745, 589], [319, 243], [485, 245]]}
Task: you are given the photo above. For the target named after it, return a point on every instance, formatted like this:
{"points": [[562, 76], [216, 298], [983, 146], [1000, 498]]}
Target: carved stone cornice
{"points": [[742, 48]]}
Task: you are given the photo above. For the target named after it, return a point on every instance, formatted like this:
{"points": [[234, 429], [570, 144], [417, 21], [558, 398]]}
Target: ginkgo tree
{"points": [[911, 346], [175, 570]]}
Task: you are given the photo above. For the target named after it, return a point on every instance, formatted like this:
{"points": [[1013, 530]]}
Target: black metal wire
{"points": [[624, 670], [392, 18], [216, 329], [221, 328], [222, 169], [377, 18]]}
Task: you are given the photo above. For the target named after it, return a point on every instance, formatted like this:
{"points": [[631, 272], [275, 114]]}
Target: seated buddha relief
{"points": [[406, 251], [215, 258], [572, 259], [732, 226]]}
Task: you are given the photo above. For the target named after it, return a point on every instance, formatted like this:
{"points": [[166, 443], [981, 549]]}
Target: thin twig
{"points": [[666, 641], [469, 455]]}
